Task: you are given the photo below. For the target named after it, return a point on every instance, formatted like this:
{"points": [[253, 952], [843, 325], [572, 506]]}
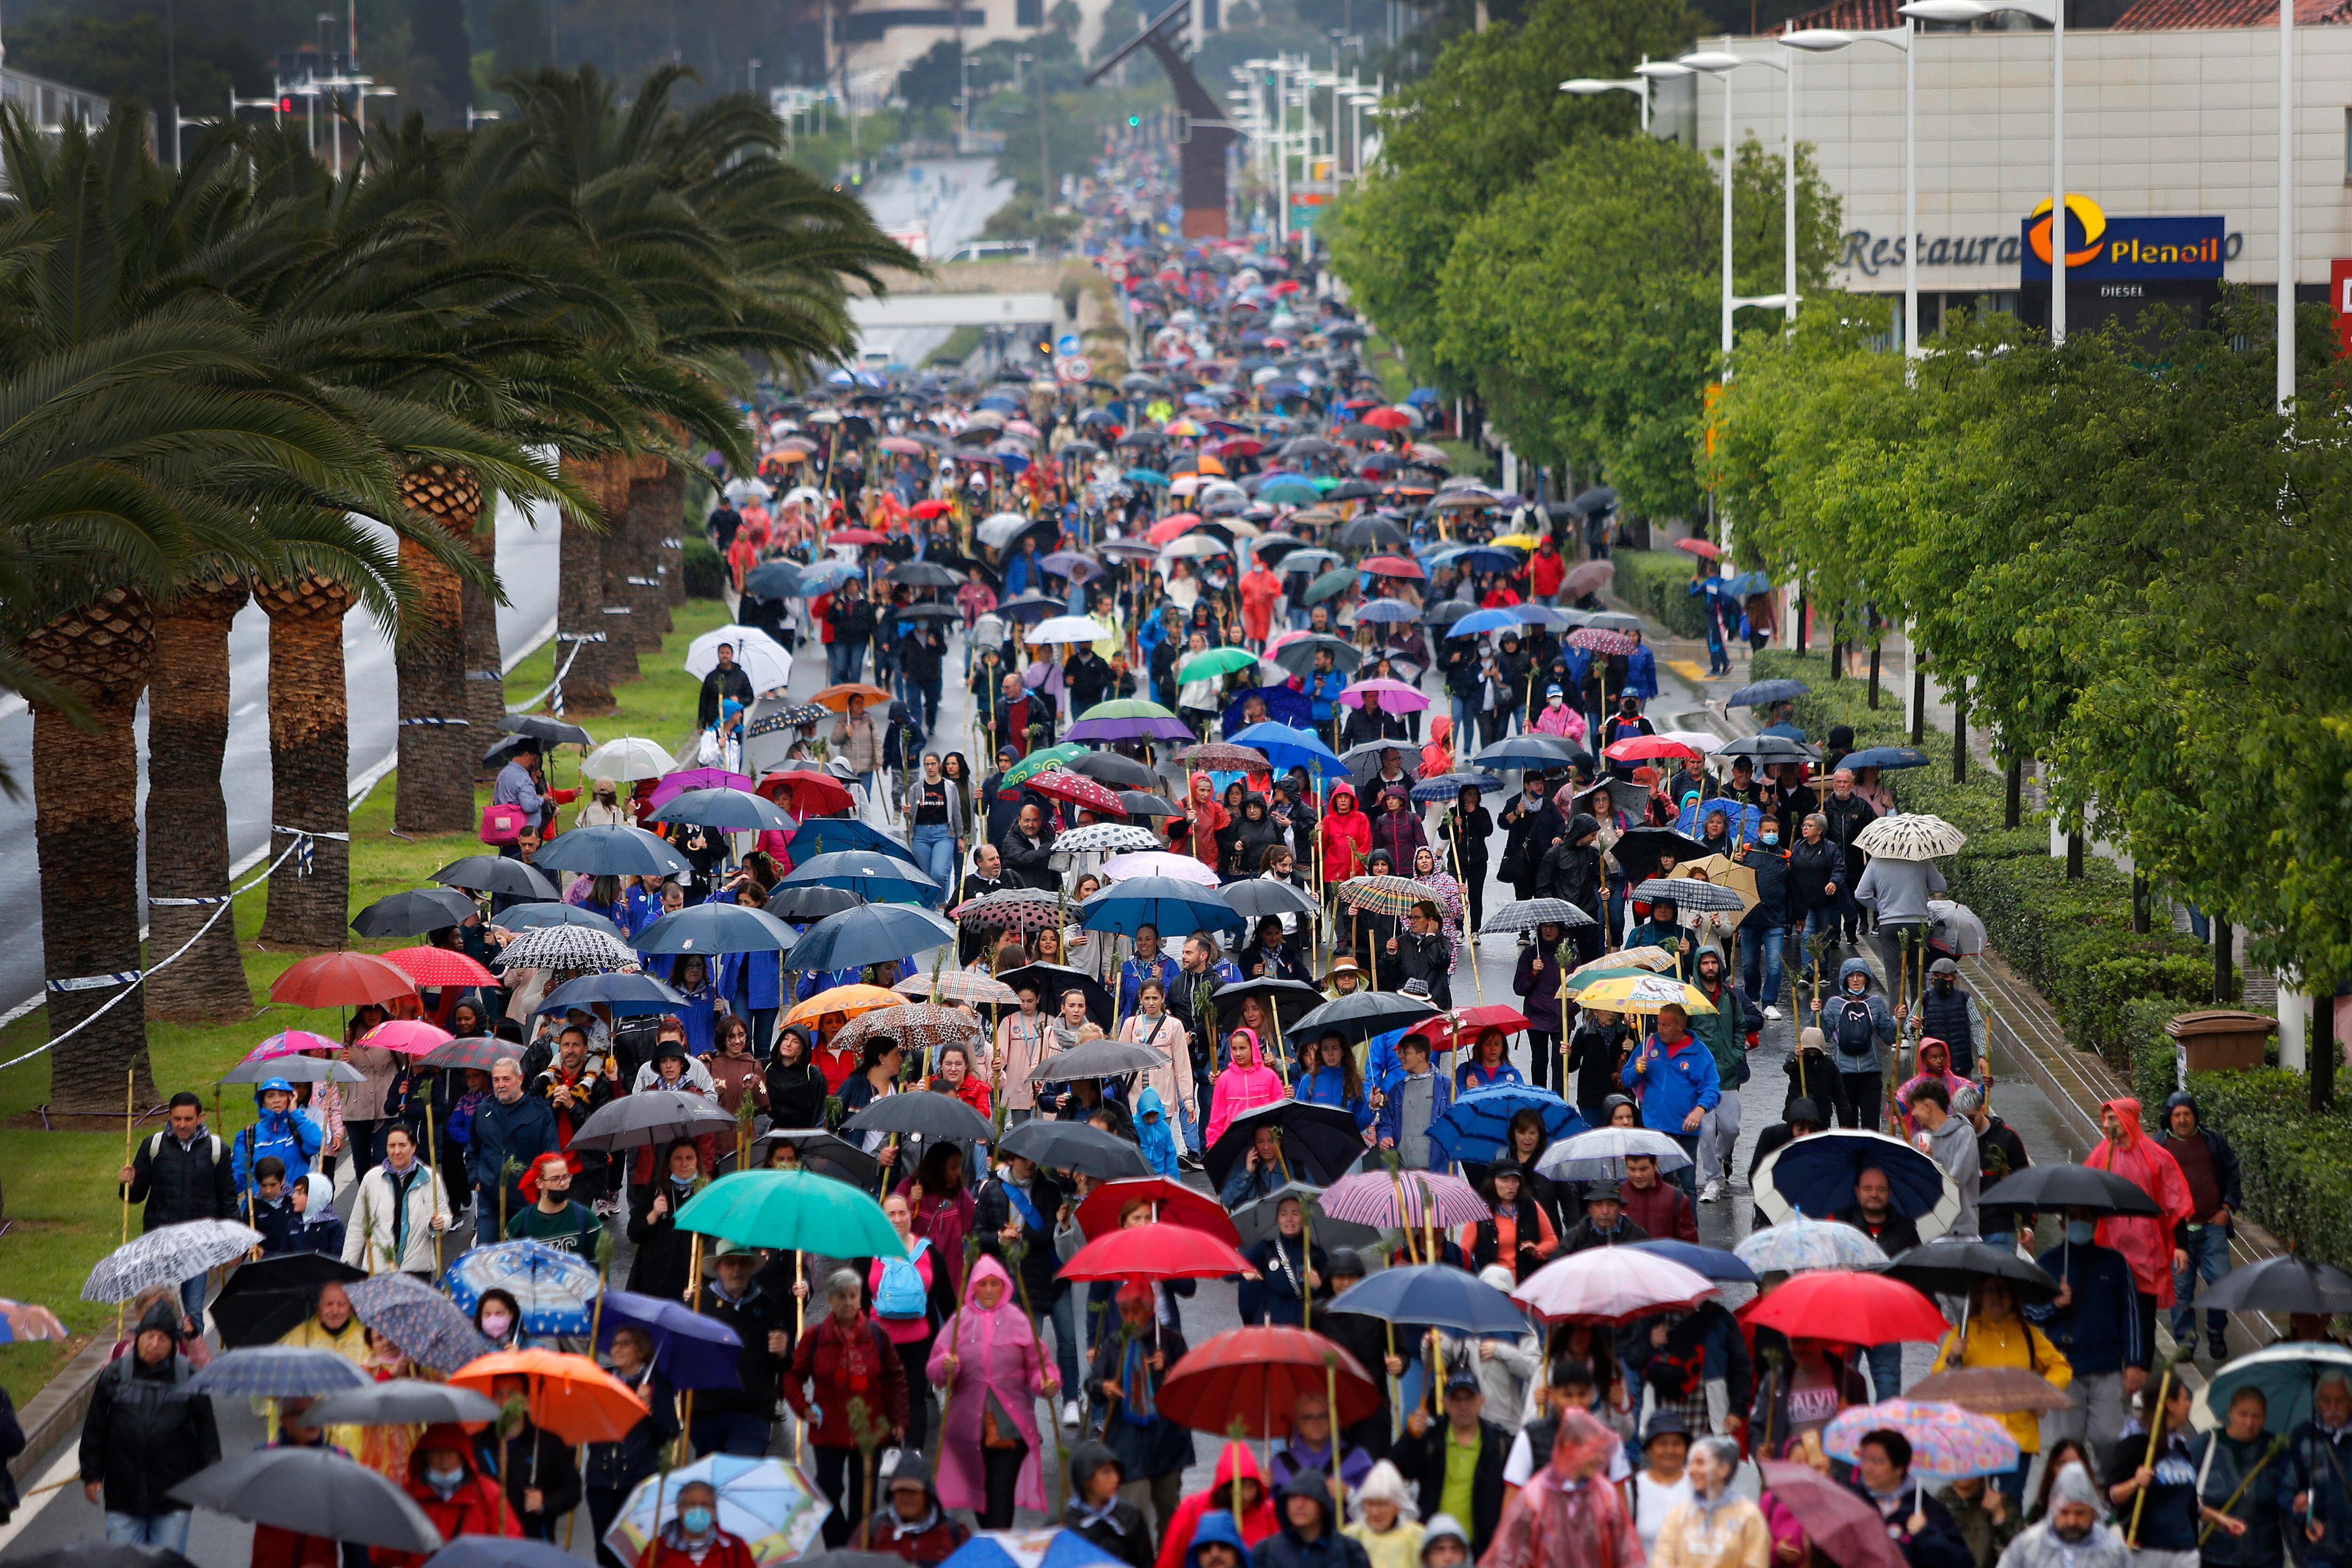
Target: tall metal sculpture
{"points": [[1201, 154]]}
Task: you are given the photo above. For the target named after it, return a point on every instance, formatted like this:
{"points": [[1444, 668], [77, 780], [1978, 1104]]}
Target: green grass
{"points": [[61, 1184], [959, 346]]}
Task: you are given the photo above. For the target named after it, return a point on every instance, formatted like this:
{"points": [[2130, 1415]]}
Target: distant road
{"points": [[952, 198]]}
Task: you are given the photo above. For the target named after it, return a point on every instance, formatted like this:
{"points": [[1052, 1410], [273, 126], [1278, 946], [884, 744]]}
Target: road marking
{"points": [[1688, 668], [38, 1496]]}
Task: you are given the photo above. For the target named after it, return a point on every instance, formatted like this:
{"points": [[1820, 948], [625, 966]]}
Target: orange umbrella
{"points": [[340, 980], [570, 1395], [848, 1001], [837, 696]]}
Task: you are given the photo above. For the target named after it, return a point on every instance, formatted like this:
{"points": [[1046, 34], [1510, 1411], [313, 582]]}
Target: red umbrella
{"points": [[1847, 1530], [1705, 549], [812, 793], [1847, 1308], [1389, 419], [856, 536], [927, 509], [1161, 1250], [1171, 1201], [439, 966], [1394, 566], [904, 447], [409, 1036], [342, 980], [1254, 1376], [1078, 790], [1469, 1023], [1639, 748]]}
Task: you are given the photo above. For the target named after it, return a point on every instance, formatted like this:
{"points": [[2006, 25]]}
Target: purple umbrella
{"points": [[1136, 729], [691, 1351], [674, 785]]}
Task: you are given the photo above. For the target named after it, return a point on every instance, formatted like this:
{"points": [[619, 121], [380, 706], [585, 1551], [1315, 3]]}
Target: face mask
{"points": [[696, 1521], [1769, 838], [2080, 1231], [496, 1324], [446, 1481], [1943, 985]]}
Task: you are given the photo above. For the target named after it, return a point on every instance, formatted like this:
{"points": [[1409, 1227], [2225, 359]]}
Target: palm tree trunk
{"points": [[648, 604], [188, 812], [486, 686], [617, 613], [580, 629], [310, 762], [86, 834], [673, 525], [435, 788]]}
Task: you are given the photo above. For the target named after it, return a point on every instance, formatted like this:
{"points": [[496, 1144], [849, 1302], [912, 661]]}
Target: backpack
{"points": [[900, 1294], [1855, 1032]]}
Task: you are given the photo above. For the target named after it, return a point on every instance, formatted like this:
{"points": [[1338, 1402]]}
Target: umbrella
{"points": [[1254, 898], [1108, 837], [872, 933], [569, 1396], [1386, 610], [1060, 784], [1174, 908], [167, 1255], [882, 877], [1649, 847], [809, 903], [1767, 749], [1097, 1059], [654, 1116], [1527, 749], [1255, 1376], [1847, 1309], [413, 912], [340, 980], [1847, 1530], [1096, 725], [1144, 803], [1012, 909], [1216, 662], [1133, 864], [1155, 1250], [809, 791], [1476, 1127], [1053, 981], [2286, 1373], [1288, 1000], [266, 1298], [1068, 629], [277, 1371], [1948, 1443], [728, 810], [794, 1210], [1685, 893], [922, 1114], [312, 1491], [23, 1322], [921, 1026], [627, 760], [1395, 696], [1172, 1202], [540, 727], [1448, 786], [1816, 1175], [554, 1288], [1391, 1199], [420, 1321], [1955, 928], [718, 928], [1884, 757], [288, 1042], [1298, 655], [1611, 1285], [293, 1069], [480, 1052], [686, 780], [769, 1504], [820, 1152], [1991, 1391], [1641, 994], [1950, 1266], [963, 986], [849, 1000], [1075, 1146], [1110, 768], [1711, 1261], [503, 1550], [1764, 693], [618, 850], [1526, 914], [2057, 1186], [2283, 1284], [1322, 1142], [404, 1401], [107, 1554], [531, 917], [412, 1036], [566, 947], [1386, 895], [1256, 1220], [1801, 1245], [690, 1350], [1640, 748], [496, 874], [1909, 837], [1436, 1294], [1600, 1154], [1361, 1015]]}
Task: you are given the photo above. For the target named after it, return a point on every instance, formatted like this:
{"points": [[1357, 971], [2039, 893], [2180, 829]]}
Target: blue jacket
{"points": [[1390, 1117], [1469, 1075], [1134, 971], [1328, 1086], [1382, 1067], [1674, 1082], [752, 980], [290, 1134], [2098, 1330], [2319, 1463], [1153, 1134], [1322, 688], [1217, 1525], [1642, 673]]}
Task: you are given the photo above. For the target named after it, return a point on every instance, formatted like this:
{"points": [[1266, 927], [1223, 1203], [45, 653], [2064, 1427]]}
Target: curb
{"points": [[55, 1414]]}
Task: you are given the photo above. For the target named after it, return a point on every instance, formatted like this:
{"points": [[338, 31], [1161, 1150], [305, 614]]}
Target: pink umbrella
{"points": [[1394, 695], [1159, 863], [1370, 1197], [677, 783], [409, 1036], [291, 1043], [1611, 1285]]}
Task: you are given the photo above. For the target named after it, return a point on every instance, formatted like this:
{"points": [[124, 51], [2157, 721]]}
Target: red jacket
{"points": [[1548, 570], [476, 1507], [276, 1548], [726, 1552], [1347, 839], [857, 1363], [1662, 1209]]}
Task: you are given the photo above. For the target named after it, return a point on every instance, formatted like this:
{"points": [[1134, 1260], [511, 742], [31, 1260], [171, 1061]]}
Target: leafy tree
{"points": [[932, 78], [125, 57], [440, 67]]}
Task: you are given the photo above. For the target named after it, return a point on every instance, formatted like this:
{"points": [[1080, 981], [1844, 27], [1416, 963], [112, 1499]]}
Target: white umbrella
{"points": [[1000, 530], [1910, 836], [1599, 1155], [1195, 544], [1159, 863], [766, 660], [1701, 741], [1067, 629], [565, 947], [166, 1255], [1611, 1285], [627, 760], [1956, 926]]}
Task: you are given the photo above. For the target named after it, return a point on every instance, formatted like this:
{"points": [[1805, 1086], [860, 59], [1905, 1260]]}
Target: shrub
{"points": [[2295, 1164], [1658, 584], [706, 573]]}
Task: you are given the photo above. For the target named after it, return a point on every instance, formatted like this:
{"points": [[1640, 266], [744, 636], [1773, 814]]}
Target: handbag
{"points": [[502, 823]]}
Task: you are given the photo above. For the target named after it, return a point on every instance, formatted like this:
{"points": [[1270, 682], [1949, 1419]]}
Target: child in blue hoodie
{"points": [[279, 1129]]}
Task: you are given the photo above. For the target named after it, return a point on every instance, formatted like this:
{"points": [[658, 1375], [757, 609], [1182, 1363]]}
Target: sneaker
{"points": [[1771, 1011], [1072, 1416], [2217, 1347], [1712, 1193]]}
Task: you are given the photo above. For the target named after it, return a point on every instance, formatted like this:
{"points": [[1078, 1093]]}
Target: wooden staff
{"points": [[800, 1326], [1332, 1396], [694, 1304], [433, 1184], [1453, 844], [2156, 1435], [130, 1095]]}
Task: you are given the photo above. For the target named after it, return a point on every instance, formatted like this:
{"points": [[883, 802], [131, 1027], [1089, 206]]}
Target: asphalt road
{"points": [[951, 199], [527, 561]]}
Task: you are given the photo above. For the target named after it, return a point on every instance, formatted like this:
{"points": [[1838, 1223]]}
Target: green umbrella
{"points": [[1038, 762], [1326, 483], [1331, 584], [793, 1210], [1125, 708], [1216, 661]]}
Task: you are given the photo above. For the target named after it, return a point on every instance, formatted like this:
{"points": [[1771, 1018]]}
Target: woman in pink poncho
{"points": [[1246, 1085], [988, 1359], [2145, 1242], [1567, 1515]]}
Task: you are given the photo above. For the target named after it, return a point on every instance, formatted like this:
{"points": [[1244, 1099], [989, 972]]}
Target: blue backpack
{"points": [[901, 1294]]}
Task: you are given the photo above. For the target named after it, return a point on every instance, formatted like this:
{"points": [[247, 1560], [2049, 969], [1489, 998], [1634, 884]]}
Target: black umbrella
{"points": [[312, 1491], [1290, 999], [1947, 1268], [654, 1116], [1050, 979], [1371, 534], [807, 901], [403, 1401], [1599, 498], [617, 850], [507, 748], [2281, 1284], [498, 874], [1768, 749], [267, 1297], [1642, 850], [1110, 768], [922, 1114], [923, 613], [922, 574], [540, 727], [413, 912], [1075, 1146], [1363, 1014], [1257, 897], [2068, 1187], [1445, 612], [1144, 803], [1097, 1059], [1321, 1142], [821, 1151]]}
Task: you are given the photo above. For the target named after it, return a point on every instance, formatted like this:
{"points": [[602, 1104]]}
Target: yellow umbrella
{"points": [[1642, 993], [1519, 541], [848, 1001], [1652, 958], [1723, 872]]}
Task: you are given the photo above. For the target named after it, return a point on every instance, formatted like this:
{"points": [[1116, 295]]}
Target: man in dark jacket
{"points": [[1729, 1033], [2210, 1166], [1605, 1223], [736, 1420], [1028, 851], [510, 1126], [1764, 931], [1848, 814], [852, 620], [1022, 1205], [1420, 1456], [728, 683], [183, 1173], [1873, 1213], [1086, 676], [1096, 1511], [1677, 1354], [1530, 824], [144, 1434], [922, 651], [1309, 1536], [1571, 870]]}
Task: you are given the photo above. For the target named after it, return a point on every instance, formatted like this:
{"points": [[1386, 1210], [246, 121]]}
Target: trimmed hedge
{"points": [[2072, 940], [706, 573], [1657, 582]]}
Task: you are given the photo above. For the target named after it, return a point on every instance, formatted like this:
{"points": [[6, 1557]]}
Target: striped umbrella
{"points": [[480, 1051], [1526, 914], [1448, 786], [1043, 760], [1406, 1197], [1386, 895], [278, 1372], [1948, 1443], [967, 985]]}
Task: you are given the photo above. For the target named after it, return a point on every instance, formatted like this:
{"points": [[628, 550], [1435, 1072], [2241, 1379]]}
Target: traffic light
{"points": [[1134, 122], [284, 105]]}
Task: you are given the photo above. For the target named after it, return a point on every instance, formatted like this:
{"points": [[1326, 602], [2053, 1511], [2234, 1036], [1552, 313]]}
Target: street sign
{"points": [[1073, 369], [1067, 345]]}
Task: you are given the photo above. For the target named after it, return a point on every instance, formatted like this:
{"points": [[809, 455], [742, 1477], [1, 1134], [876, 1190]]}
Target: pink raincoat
{"points": [[2145, 1242], [1560, 719], [997, 1354], [1555, 1521], [1244, 1086]]}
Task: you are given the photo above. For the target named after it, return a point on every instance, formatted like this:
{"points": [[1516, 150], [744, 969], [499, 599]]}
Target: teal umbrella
{"points": [[792, 1210], [1332, 583], [1152, 476], [1290, 492]]}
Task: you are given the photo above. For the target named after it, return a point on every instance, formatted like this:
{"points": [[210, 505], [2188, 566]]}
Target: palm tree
{"points": [[188, 711], [310, 768]]}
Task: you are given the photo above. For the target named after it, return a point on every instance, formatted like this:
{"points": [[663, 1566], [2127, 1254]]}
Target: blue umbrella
{"points": [[1290, 492], [1499, 620], [690, 1350], [278, 1372], [1064, 1549], [555, 1289], [1381, 611], [826, 574], [882, 877], [626, 995], [728, 810], [831, 835], [716, 928], [1436, 1294], [871, 933], [1764, 693], [1152, 476], [1477, 1125], [1490, 558], [1447, 786], [1883, 757], [1528, 750], [1542, 616], [1287, 746], [1711, 1261], [1815, 1176], [529, 917], [1748, 583], [774, 580], [1170, 907], [616, 851], [1283, 706]]}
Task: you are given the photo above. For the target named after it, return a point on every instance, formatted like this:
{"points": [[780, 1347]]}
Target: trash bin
{"points": [[2220, 1040]]}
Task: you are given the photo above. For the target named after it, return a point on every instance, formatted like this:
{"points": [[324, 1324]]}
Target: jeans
{"points": [[1886, 1372], [2209, 1258], [935, 851], [1719, 1136], [1462, 715], [192, 1300], [168, 1530], [1687, 1177], [763, 1029], [1065, 1343], [743, 1433], [1760, 960], [843, 662]]}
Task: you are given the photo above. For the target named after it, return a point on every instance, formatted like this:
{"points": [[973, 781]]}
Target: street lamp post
{"points": [[1722, 64], [1822, 40], [1589, 86]]}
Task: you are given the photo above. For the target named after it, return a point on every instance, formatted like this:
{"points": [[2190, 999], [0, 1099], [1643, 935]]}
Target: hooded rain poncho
{"points": [[1000, 1367], [2144, 1241]]}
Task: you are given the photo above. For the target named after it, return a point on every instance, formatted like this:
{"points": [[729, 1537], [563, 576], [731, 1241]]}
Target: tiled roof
{"points": [[1849, 15], [2138, 15]]}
